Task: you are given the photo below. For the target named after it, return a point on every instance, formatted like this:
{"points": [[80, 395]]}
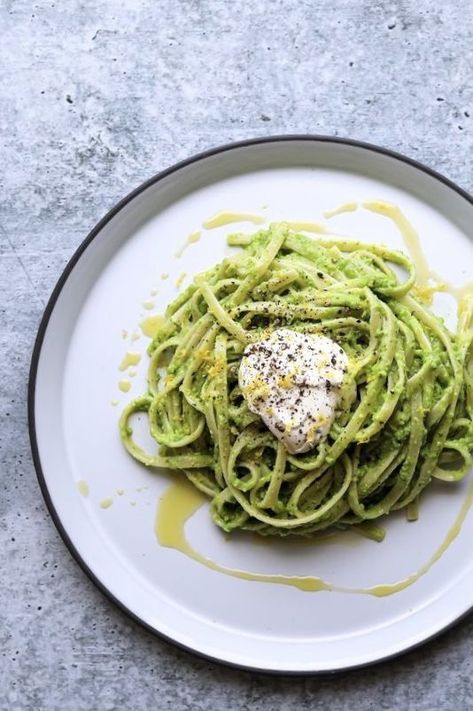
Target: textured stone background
{"points": [[95, 97]]}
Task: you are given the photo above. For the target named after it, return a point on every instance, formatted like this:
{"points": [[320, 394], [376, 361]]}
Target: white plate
{"points": [[74, 427]]}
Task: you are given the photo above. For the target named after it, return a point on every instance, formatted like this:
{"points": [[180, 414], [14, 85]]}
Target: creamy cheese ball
{"points": [[292, 381]]}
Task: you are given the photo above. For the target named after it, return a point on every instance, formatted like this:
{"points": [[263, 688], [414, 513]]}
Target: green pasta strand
{"points": [[406, 412]]}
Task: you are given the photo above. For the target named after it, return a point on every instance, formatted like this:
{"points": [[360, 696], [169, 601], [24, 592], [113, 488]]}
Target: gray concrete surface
{"points": [[95, 97]]}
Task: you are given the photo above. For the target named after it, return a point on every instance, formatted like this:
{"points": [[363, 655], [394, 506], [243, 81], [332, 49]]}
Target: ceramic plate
{"points": [[88, 327]]}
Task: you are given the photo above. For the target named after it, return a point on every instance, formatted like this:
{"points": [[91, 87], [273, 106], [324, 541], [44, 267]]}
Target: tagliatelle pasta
{"points": [[406, 406]]}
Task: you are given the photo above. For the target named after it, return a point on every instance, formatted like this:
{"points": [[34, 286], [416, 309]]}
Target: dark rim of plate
{"points": [[93, 234]]}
